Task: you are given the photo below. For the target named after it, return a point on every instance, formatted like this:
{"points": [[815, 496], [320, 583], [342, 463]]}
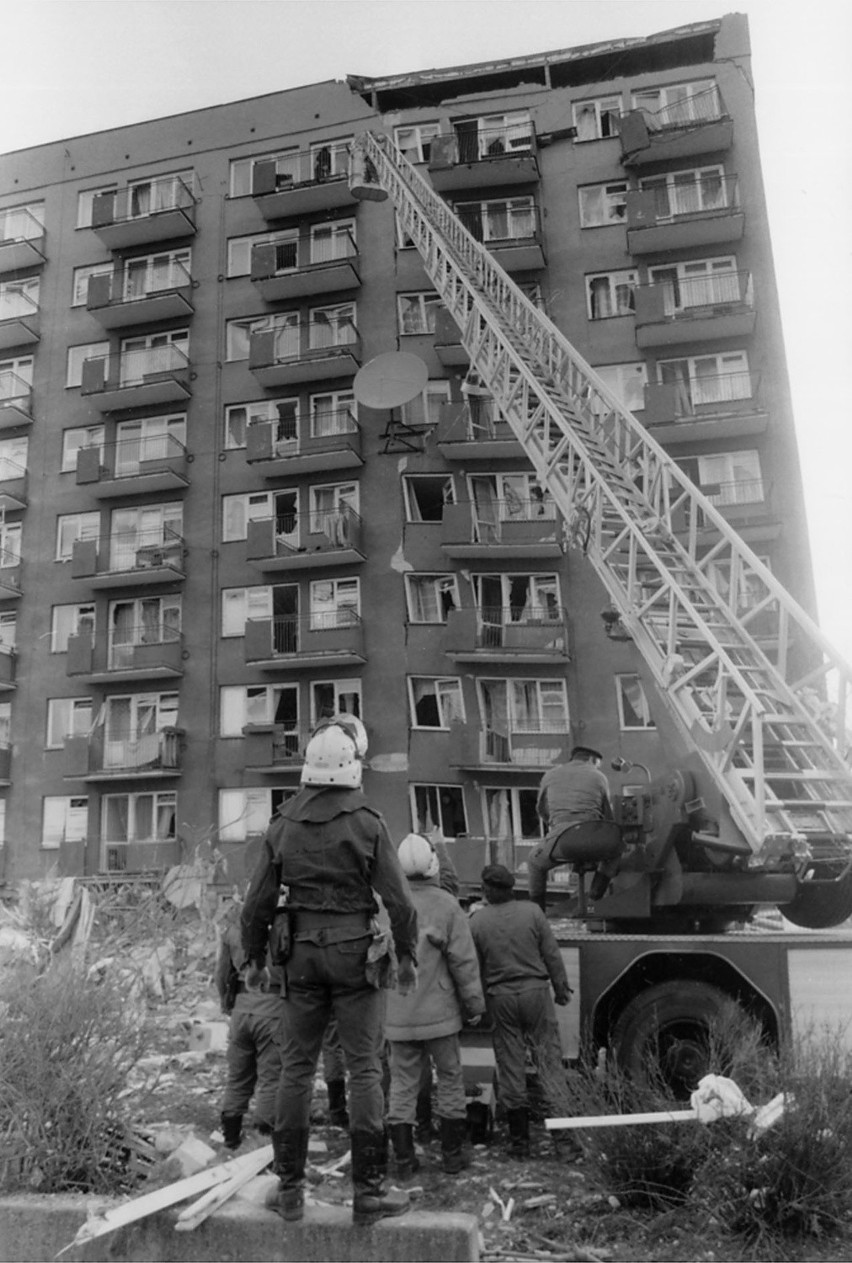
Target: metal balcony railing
{"points": [[125, 457], [15, 305], [291, 340], [342, 527], [157, 278], [677, 200], [10, 470], [289, 630], [135, 365], [165, 193], [312, 166], [13, 388], [685, 295], [9, 558], [493, 623], [490, 521], [125, 641], [291, 254], [138, 750], [689, 111], [19, 224], [494, 142], [711, 392], [326, 424], [499, 222], [144, 549], [737, 491]]}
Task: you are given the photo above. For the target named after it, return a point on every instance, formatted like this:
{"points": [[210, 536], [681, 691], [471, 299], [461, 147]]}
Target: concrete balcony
{"points": [[135, 559], [100, 757], [500, 635], [475, 431], [129, 467], [479, 158], [146, 653], [704, 213], [694, 309], [303, 353], [13, 486], [326, 441], [116, 300], [289, 642], [480, 750], [317, 540], [274, 748], [720, 407], [19, 320], [138, 378], [289, 270], [145, 212], [511, 235], [16, 401], [8, 667], [10, 575], [302, 182], [685, 129], [22, 240], [512, 531]]}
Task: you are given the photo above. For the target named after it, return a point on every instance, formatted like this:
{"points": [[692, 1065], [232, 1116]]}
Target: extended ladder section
{"points": [[757, 690]]}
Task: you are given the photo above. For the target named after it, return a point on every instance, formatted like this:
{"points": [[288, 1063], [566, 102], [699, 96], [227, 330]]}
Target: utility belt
{"points": [[323, 927]]}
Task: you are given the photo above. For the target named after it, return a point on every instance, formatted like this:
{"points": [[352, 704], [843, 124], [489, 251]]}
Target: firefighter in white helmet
{"points": [[332, 851]]}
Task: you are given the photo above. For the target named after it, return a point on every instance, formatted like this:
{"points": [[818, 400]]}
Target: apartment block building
{"points": [[207, 543]]}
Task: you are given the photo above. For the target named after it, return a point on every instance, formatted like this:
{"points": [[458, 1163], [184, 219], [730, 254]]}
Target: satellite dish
{"points": [[390, 380]]}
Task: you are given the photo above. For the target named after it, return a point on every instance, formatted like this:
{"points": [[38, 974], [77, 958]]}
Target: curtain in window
{"points": [[487, 510], [117, 819]]}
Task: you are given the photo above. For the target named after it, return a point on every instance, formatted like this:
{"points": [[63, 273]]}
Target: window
{"points": [[238, 334], [240, 248], [331, 505], [154, 353], [21, 366], [63, 820], [19, 298], [239, 510], [332, 326], [138, 535], [708, 379], [438, 809], [152, 273], [329, 159], [22, 223], [416, 141], [73, 526], [611, 294], [244, 813], [70, 620], [627, 383], [426, 408], [603, 204], [10, 545], [431, 596], [67, 717], [435, 701], [679, 104], [150, 620], [334, 603], [81, 278], [75, 440], [85, 203], [597, 119], [332, 241], [13, 457], [493, 135], [244, 705], [333, 413], [425, 496], [633, 709], [503, 599], [510, 814], [146, 197], [499, 498], [509, 706], [700, 283], [242, 169], [241, 604], [239, 416], [751, 589], [129, 818], [417, 312], [731, 477], [688, 192], [77, 355], [513, 219], [335, 697], [151, 438]]}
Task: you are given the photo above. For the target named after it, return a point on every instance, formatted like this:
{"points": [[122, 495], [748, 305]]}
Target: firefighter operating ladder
{"points": [[745, 672]]}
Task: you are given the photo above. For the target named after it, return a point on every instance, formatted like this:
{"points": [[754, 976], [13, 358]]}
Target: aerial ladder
{"points": [[758, 698]]}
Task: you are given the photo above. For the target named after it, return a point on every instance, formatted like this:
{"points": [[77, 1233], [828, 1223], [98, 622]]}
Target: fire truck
{"points": [[753, 806]]}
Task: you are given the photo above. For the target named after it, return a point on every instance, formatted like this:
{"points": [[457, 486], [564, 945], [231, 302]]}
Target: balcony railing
{"points": [[135, 752], [147, 551], [688, 398], [477, 145], [16, 305], [274, 258], [303, 181], [497, 223], [737, 491], [300, 351], [124, 652], [539, 744], [490, 523], [15, 395], [690, 111], [506, 627], [141, 375], [127, 458], [685, 295], [710, 195], [140, 855], [21, 240], [152, 197], [303, 540], [684, 128], [135, 365]]}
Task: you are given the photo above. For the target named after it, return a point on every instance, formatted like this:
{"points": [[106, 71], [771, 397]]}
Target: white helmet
{"points": [[331, 758], [417, 856]]}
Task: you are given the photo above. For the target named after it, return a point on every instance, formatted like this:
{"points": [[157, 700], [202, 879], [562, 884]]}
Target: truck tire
{"points": [[666, 1029], [818, 906]]}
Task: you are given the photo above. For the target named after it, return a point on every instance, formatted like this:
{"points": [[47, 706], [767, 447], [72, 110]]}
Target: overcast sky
{"points": [[75, 66]]}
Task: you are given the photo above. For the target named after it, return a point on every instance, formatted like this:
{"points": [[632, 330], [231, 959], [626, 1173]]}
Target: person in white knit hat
{"points": [[424, 1025]]}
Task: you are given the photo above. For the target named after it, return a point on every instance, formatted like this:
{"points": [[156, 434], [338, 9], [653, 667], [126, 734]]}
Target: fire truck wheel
{"points": [[665, 1031], [820, 905]]}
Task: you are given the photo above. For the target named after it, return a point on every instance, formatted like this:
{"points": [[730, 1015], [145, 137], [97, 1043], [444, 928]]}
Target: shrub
{"points": [[67, 1045]]}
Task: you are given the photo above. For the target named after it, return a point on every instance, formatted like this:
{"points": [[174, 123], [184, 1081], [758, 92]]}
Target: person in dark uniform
{"points": [[519, 960], [254, 1050], [571, 795], [332, 851]]}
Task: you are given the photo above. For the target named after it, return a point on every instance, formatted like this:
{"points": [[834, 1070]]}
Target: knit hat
{"points": [[417, 856], [497, 875]]}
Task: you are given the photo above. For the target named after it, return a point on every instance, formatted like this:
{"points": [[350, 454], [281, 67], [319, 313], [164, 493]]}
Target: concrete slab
{"points": [[33, 1229]]}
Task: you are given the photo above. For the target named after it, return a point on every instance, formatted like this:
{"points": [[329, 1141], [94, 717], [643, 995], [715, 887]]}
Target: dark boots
{"points": [[372, 1200], [519, 1132], [232, 1130], [423, 1125], [402, 1141], [290, 1152], [338, 1115], [453, 1137]]}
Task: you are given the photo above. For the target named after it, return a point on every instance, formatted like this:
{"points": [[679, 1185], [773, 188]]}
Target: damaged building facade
{"points": [[207, 543]]}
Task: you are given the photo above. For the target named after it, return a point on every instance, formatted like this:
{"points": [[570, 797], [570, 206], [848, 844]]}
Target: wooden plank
{"points": [[252, 1164]]}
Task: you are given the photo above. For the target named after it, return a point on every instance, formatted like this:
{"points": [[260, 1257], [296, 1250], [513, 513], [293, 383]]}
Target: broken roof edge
{"points": [[366, 83]]}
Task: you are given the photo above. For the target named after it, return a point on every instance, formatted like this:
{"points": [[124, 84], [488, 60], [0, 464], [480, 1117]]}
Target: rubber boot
{"points": [[290, 1152], [338, 1115], [402, 1142], [423, 1126], [232, 1130], [453, 1137], [372, 1199], [519, 1132]]}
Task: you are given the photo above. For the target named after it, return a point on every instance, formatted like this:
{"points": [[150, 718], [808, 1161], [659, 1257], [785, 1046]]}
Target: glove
{"points": [[473, 1021], [563, 995], [257, 978], [407, 976]]}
